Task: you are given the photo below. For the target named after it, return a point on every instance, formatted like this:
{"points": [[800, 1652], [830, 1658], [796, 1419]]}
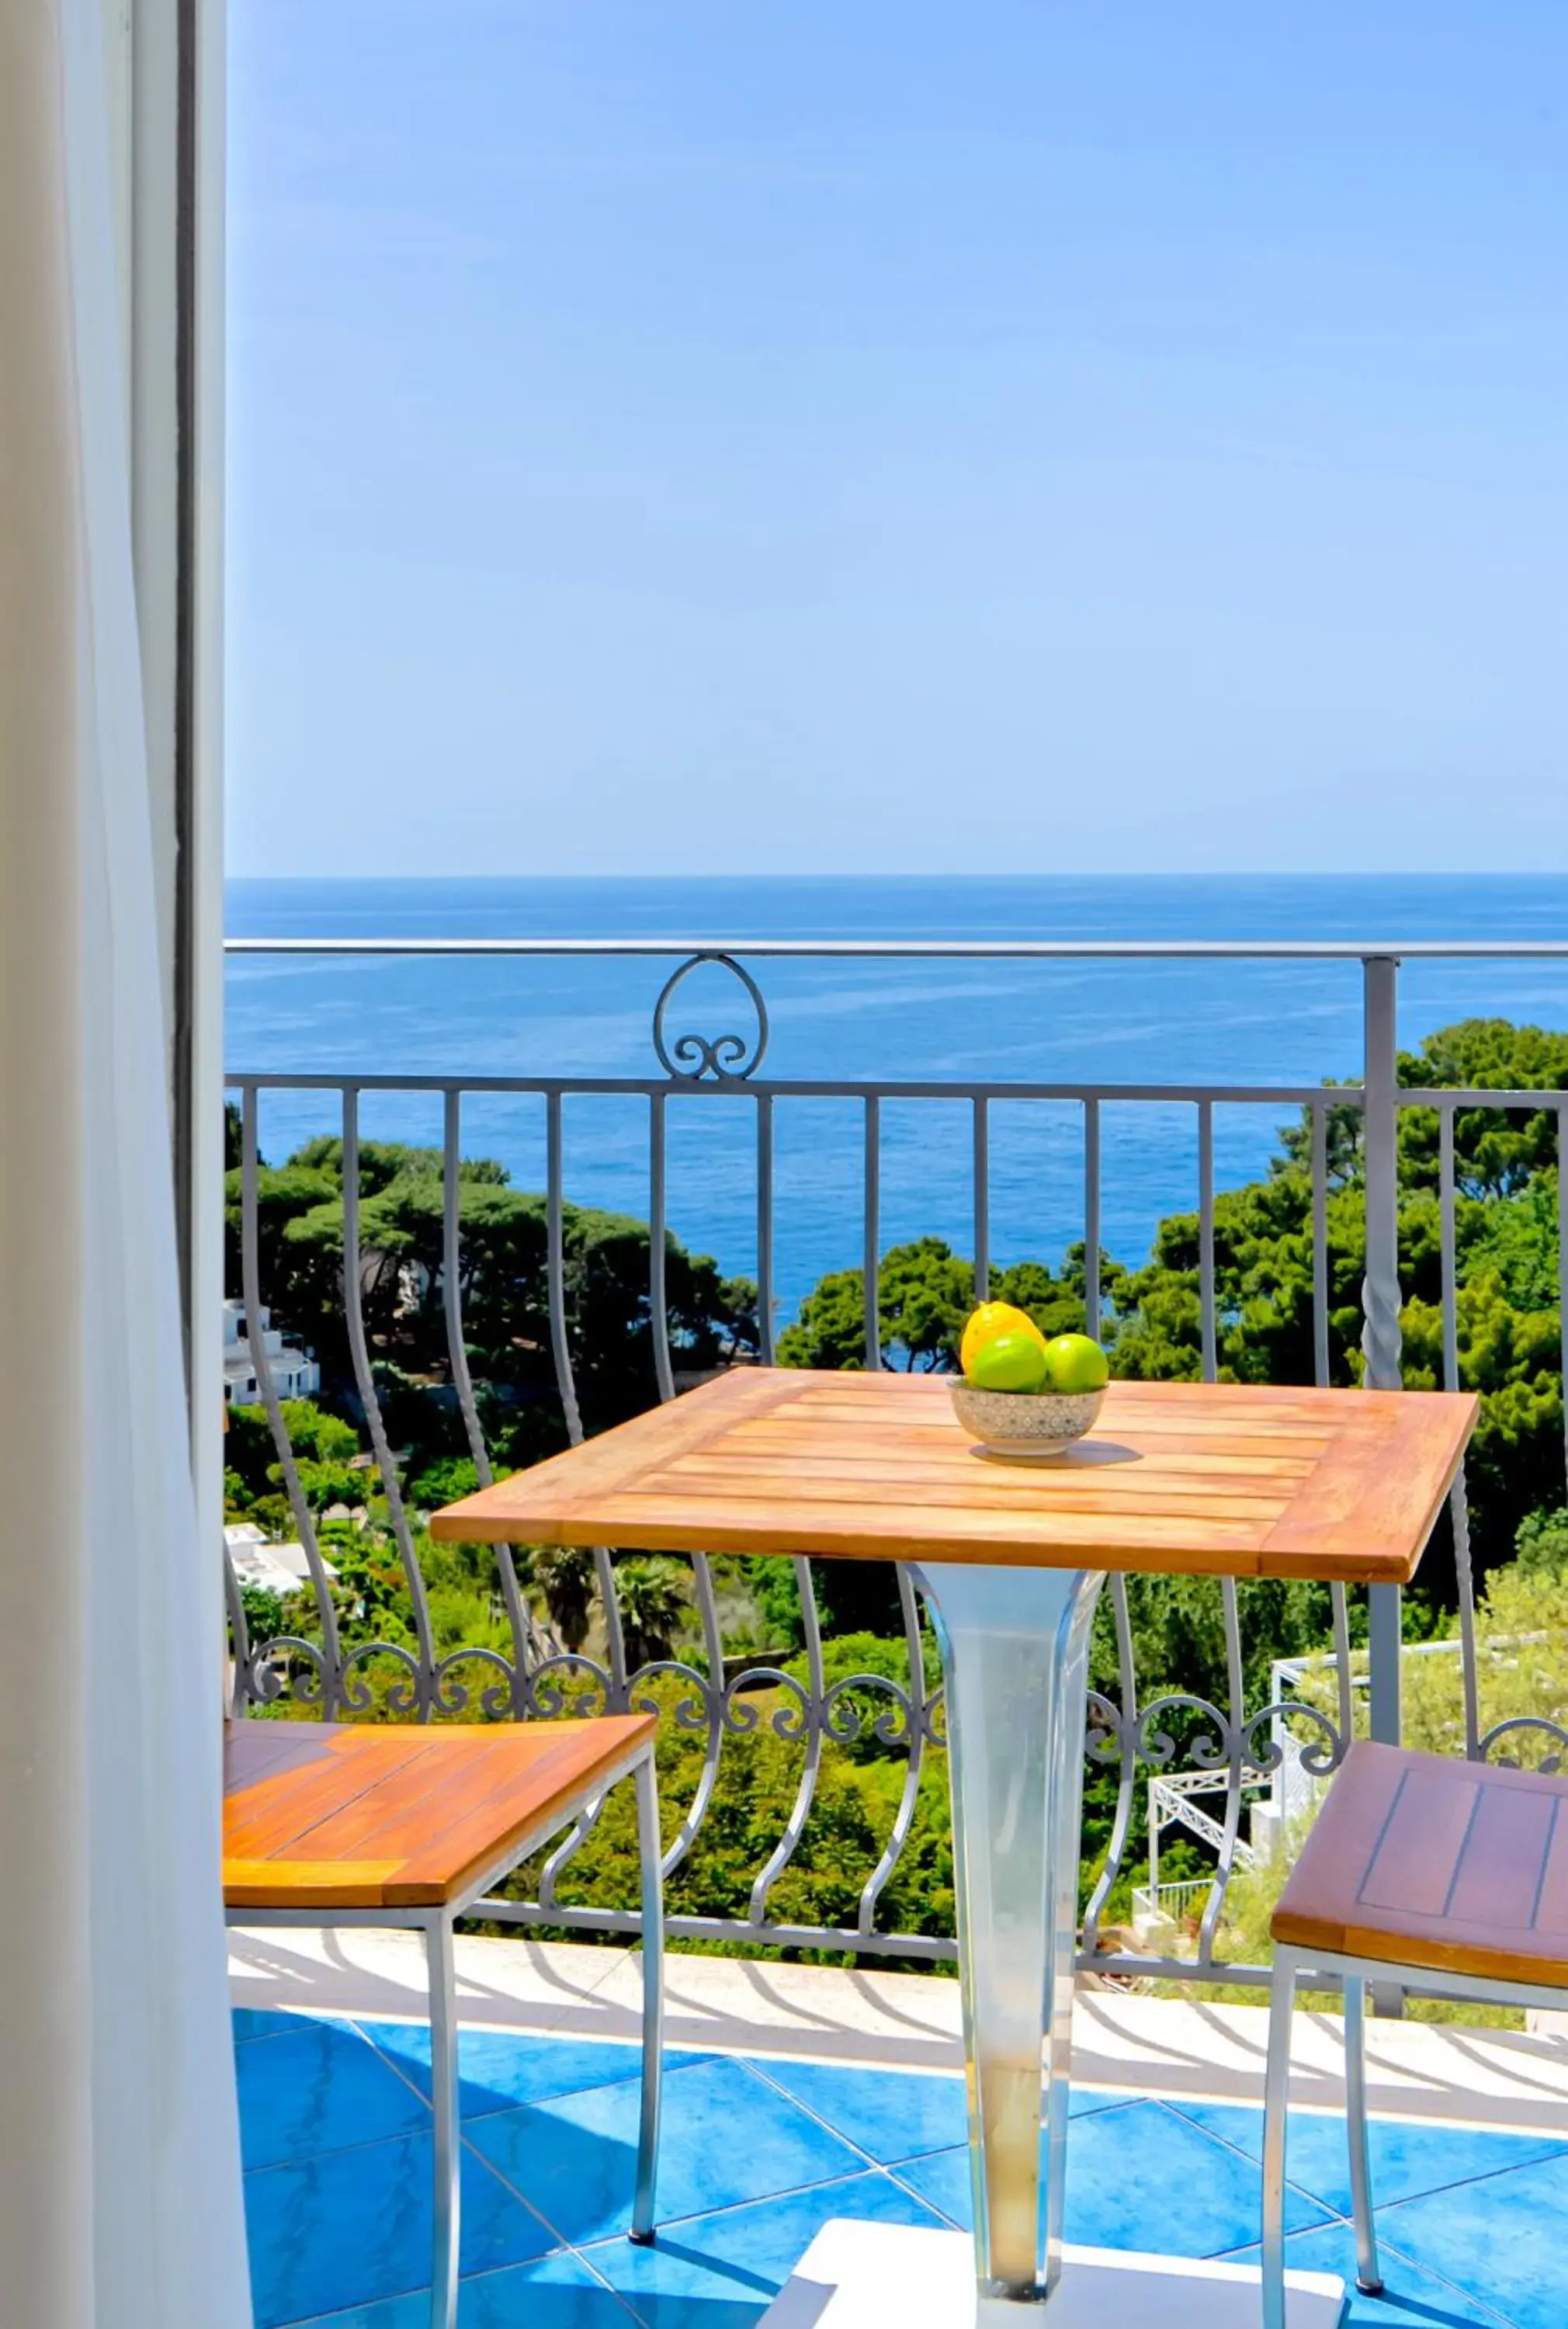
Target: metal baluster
{"points": [[981, 1176], [422, 1673], [875, 1883], [707, 1709], [1092, 1218], [1127, 1774], [898, 1836], [1458, 1503], [1237, 1725], [873, 1259], [712, 1692], [613, 1682], [526, 1646], [1338, 1600], [1235, 1741], [812, 1721], [1319, 1242], [1206, 1237], [565, 1383], [243, 1694], [659, 1250], [556, 1270], [331, 1674], [1380, 1296], [1380, 1335], [764, 1294]]}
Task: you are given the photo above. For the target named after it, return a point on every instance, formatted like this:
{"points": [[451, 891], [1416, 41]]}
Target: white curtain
{"points": [[119, 2176]]}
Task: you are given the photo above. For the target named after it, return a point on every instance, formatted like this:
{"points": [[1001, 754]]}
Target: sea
{"points": [[1184, 1021]]}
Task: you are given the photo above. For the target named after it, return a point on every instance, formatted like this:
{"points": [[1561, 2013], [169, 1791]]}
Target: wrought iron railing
{"points": [[533, 1678]]}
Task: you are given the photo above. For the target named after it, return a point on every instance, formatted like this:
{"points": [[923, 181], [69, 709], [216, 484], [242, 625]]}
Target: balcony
{"points": [[804, 1780]]}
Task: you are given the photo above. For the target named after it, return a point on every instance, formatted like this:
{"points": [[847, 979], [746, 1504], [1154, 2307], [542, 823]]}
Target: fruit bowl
{"points": [[1024, 1423]]}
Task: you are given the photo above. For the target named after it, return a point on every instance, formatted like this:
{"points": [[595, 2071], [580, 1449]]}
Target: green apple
{"points": [[1009, 1362], [1075, 1362]]}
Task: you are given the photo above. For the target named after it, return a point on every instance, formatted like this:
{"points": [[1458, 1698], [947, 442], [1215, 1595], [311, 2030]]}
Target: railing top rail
{"points": [[811, 1088], [942, 949], [1444, 1096]]}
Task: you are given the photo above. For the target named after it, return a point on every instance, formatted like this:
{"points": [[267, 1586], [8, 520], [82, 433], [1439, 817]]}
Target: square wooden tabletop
{"points": [[1215, 1479]]}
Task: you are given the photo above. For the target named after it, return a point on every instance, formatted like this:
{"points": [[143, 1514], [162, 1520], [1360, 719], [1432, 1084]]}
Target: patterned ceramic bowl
{"points": [[1029, 1423]]}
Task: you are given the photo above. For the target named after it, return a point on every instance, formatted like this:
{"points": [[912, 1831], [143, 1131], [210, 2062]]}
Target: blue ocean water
{"points": [[1257, 1022]]}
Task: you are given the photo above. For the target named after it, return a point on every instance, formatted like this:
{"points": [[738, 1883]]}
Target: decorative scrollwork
{"points": [[727, 1059], [1107, 1732], [411, 1693], [264, 1679], [496, 1700], [545, 1698], [1550, 1763], [691, 1713], [895, 1726], [795, 1720], [1210, 1749], [1318, 1758]]}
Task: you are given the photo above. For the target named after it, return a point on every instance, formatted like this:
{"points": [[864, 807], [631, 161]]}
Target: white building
{"points": [[276, 1569], [295, 1373]]}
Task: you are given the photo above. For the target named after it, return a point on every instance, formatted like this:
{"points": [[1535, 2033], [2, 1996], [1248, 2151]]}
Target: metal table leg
{"points": [[1276, 2102], [651, 1846], [1369, 2278], [444, 2093]]}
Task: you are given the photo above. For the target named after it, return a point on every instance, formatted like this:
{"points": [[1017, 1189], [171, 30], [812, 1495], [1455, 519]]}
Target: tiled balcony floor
{"points": [[759, 2153]]}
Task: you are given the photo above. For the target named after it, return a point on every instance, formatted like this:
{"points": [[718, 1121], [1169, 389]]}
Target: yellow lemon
{"points": [[991, 1319]]}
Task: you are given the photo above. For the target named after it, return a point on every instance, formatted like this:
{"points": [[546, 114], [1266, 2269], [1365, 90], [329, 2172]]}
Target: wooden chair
{"points": [[339, 1823], [1450, 1876]]}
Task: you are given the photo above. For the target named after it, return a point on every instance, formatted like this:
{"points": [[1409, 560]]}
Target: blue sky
{"points": [[688, 436]]}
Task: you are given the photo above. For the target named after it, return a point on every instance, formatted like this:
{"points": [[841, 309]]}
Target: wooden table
{"points": [[1188, 1479]]}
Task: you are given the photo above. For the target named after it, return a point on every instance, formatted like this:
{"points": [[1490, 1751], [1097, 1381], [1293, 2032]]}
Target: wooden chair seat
{"points": [[319, 1815], [1438, 1865]]}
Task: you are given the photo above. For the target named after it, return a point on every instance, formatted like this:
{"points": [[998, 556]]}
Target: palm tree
{"points": [[564, 1574], [653, 1598]]}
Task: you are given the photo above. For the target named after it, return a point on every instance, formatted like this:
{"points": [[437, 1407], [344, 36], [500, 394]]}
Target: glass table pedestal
{"points": [[1015, 1647]]}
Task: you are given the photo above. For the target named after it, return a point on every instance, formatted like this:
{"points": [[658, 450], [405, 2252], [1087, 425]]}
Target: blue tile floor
{"points": [[759, 2155]]}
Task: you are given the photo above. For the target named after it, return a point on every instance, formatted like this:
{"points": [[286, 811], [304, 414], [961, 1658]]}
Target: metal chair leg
{"points": [[1369, 2278], [651, 1853], [447, 2208], [1276, 2101]]}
